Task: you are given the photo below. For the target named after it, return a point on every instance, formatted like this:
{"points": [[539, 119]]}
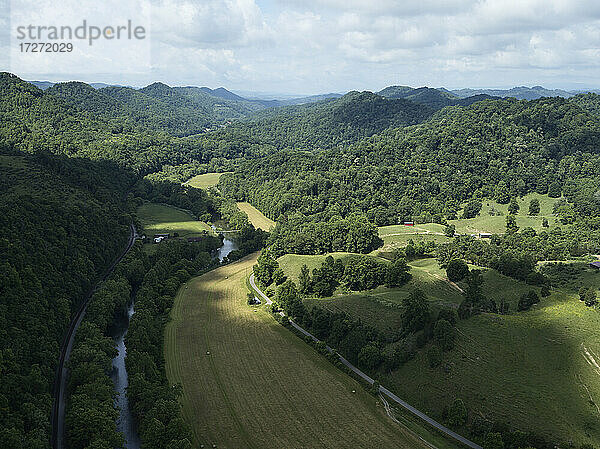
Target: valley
{"points": [[445, 247]]}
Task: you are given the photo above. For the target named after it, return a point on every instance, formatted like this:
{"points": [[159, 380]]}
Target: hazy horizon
{"points": [[319, 46]]}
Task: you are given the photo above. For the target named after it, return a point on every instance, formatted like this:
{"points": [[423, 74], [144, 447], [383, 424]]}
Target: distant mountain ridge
{"points": [[520, 92], [434, 98]]}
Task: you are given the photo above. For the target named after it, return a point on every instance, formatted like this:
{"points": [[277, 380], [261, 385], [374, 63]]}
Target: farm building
{"points": [[161, 236], [595, 264], [195, 239], [409, 223]]}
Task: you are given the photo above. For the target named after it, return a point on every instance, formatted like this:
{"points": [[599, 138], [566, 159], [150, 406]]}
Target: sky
{"points": [[318, 46]]}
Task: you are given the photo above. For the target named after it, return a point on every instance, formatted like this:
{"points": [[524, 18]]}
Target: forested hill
{"points": [[330, 123], [497, 147], [434, 98], [63, 222], [179, 111], [589, 102], [86, 123]]}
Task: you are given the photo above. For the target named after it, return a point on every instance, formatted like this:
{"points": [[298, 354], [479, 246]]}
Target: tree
{"points": [[304, 280], [445, 334], [590, 297], [545, 291], [511, 224], [554, 190], [416, 311], [502, 193], [278, 276], [457, 413], [434, 356], [545, 223], [369, 356], [493, 440], [527, 300], [265, 268], [534, 206], [457, 270], [582, 293], [449, 230], [472, 209], [513, 207], [397, 273]]}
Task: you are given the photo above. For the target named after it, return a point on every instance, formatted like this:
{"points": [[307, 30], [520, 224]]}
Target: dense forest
{"points": [[64, 222], [492, 149]]}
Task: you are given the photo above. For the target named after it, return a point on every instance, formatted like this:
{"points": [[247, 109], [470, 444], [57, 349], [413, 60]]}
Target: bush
{"points": [[457, 270], [434, 356], [445, 334], [457, 413]]}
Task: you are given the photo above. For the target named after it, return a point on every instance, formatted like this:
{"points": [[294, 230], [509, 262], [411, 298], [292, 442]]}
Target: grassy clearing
{"points": [[261, 386], [292, 263], [496, 224], [498, 287], [205, 181], [160, 218], [256, 217], [534, 370], [398, 236], [527, 369]]}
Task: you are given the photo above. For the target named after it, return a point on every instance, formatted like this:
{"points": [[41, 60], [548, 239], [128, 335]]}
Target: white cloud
{"points": [[335, 45]]}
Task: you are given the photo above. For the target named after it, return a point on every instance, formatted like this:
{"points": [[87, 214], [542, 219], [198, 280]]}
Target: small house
{"points": [[409, 223], [595, 265], [158, 239]]}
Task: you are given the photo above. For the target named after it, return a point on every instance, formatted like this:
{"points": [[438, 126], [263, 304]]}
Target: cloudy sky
{"points": [[315, 46]]}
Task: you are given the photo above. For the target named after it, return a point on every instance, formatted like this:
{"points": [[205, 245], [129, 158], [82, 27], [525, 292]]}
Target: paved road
{"points": [[382, 389], [60, 383]]}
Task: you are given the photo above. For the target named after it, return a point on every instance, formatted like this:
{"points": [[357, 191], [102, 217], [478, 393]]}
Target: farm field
{"points": [[249, 382], [256, 217], [397, 236], [496, 224], [160, 218], [534, 370], [204, 181]]}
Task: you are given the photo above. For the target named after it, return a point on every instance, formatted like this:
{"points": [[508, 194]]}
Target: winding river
{"points": [[126, 424]]}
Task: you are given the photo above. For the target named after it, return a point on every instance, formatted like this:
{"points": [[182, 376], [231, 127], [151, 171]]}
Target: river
{"points": [[126, 424]]}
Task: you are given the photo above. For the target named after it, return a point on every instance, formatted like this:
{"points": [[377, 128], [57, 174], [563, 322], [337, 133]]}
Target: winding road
{"points": [[60, 383], [384, 391]]}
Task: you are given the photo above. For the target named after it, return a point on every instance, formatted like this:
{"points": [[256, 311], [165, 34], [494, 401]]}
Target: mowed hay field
{"points": [[398, 236], [160, 218], [261, 386], [204, 181], [256, 217], [496, 224]]}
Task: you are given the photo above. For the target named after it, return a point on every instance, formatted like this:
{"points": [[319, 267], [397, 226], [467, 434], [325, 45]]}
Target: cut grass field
{"points": [[496, 224], [397, 236], [162, 219], [249, 382], [205, 181], [256, 217]]}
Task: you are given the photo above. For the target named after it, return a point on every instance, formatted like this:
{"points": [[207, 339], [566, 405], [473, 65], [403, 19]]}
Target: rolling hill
{"points": [[434, 98]]}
